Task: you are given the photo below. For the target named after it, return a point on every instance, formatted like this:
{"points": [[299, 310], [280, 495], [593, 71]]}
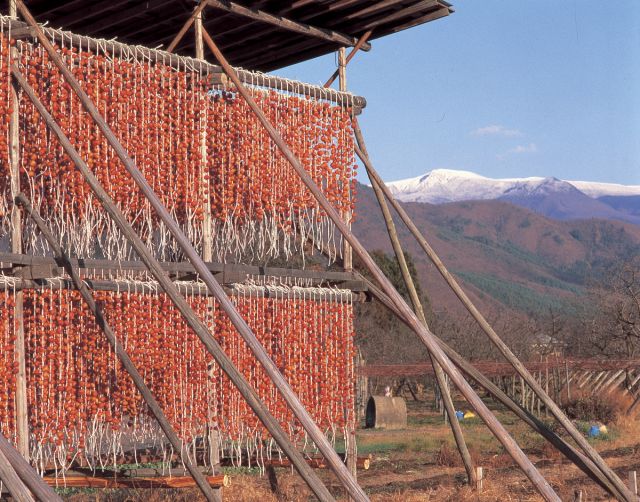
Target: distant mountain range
{"points": [[508, 256], [551, 197]]}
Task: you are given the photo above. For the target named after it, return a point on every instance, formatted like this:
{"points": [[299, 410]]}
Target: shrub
{"points": [[601, 407]]}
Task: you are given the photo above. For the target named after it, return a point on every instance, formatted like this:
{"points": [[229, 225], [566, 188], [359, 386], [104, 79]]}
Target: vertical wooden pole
{"points": [[342, 75], [352, 451], [633, 482], [22, 422], [479, 479], [197, 25], [566, 370], [577, 496], [207, 246], [546, 383], [347, 261]]}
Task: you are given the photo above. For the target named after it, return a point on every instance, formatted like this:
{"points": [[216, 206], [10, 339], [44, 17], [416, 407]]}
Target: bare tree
{"points": [[614, 329]]}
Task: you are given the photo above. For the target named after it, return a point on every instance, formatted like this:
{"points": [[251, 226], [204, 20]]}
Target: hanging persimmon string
{"points": [[199, 146], [191, 141]]}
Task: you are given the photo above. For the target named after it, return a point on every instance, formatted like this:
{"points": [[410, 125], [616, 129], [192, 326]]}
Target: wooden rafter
{"points": [[288, 24]]}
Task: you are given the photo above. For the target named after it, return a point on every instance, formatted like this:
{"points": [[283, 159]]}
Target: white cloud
{"points": [[496, 130], [519, 149], [530, 148]]}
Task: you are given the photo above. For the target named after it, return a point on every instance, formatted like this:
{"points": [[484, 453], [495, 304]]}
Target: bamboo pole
{"points": [[27, 474], [486, 327], [417, 307], [120, 351], [212, 346], [425, 335], [272, 371]]}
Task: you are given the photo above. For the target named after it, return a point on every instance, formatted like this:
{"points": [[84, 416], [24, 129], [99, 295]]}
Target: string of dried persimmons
{"points": [[81, 400], [192, 143]]}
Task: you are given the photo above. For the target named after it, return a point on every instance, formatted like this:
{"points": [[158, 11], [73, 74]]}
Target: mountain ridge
{"points": [[508, 258], [549, 196]]}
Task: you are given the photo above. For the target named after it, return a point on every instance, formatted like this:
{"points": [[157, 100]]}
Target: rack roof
{"points": [[262, 35]]}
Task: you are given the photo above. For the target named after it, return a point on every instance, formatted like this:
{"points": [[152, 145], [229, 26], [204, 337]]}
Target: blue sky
{"points": [[505, 89]]}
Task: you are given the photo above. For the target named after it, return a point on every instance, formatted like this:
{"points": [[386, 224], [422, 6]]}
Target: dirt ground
{"points": [[420, 463]]}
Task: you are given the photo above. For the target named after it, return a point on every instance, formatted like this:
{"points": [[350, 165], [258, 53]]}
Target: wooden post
{"points": [[479, 479], [120, 352], [197, 26], [347, 252], [154, 267], [577, 496], [22, 420], [352, 452], [571, 453], [566, 370], [361, 41], [633, 482], [207, 240]]}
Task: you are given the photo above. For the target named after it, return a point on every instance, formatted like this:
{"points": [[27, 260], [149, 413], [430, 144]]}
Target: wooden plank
{"points": [[122, 15], [95, 9], [288, 24], [78, 481]]}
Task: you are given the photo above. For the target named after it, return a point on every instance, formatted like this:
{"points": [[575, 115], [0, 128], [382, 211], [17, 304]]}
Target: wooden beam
{"points": [[120, 352], [440, 13], [371, 9], [21, 404], [152, 288], [441, 379], [15, 485], [26, 472], [119, 49], [225, 270], [287, 24], [156, 482], [400, 14]]}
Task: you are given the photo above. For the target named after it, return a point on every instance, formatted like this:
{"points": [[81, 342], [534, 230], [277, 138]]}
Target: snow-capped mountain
{"points": [[550, 196]]}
